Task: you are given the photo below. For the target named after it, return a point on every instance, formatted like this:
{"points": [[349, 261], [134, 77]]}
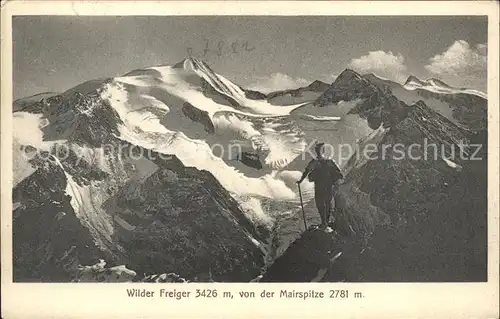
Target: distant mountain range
{"points": [[465, 107], [300, 95]]}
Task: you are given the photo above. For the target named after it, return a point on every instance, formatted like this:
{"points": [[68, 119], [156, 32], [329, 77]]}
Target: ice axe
{"points": [[302, 205]]}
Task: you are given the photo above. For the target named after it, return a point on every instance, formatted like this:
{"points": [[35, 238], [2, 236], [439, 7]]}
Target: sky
{"points": [[56, 53]]}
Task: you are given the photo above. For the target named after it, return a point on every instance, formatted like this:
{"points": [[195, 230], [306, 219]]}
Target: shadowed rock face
{"points": [[300, 95], [177, 218], [318, 86], [348, 86], [254, 95], [185, 220], [424, 220], [49, 241], [210, 92], [466, 110], [198, 116], [304, 258], [22, 104], [378, 106], [67, 115]]}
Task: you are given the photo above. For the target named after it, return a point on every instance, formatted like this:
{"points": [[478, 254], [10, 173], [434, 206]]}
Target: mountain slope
{"points": [[23, 103], [83, 216], [425, 219], [416, 216], [301, 95], [48, 238], [92, 195], [464, 107], [402, 219], [377, 107]]}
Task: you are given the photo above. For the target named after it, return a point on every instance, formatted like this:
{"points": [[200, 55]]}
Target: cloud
{"points": [[461, 63], [277, 82], [382, 63]]}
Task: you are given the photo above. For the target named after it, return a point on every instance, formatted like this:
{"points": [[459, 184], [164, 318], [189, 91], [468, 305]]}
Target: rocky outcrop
{"points": [[422, 218], [300, 95], [186, 221], [83, 119], [100, 273], [470, 111], [23, 104], [216, 95], [49, 240], [254, 95], [177, 218], [318, 86], [250, 159], [199, 116], [466, 110], [307, 259], [163, 278], [414, 79], [378, 106], [348, 86]]}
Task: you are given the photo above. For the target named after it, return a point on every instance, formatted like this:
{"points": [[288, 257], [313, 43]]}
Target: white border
{"points": [[418, 300]]}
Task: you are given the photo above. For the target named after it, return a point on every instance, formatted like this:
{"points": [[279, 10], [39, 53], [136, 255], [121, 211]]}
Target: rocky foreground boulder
{"points": [[100, 273]]}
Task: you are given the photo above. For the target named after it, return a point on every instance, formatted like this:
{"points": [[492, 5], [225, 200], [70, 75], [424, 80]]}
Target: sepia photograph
{"points": [[323, 150], [238, 149]]}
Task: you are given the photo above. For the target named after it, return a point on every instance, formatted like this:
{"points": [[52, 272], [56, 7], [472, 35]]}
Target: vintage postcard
{"points": [[250, 159]]}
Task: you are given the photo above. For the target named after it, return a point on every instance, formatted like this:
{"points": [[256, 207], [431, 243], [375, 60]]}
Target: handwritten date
{"points": [[221, 48]]}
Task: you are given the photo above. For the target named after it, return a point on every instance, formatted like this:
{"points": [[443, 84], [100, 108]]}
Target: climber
{"points": [[324, 173]]}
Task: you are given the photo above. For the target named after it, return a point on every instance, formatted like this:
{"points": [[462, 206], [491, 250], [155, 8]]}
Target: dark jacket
{"points": [[323, 171]]}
